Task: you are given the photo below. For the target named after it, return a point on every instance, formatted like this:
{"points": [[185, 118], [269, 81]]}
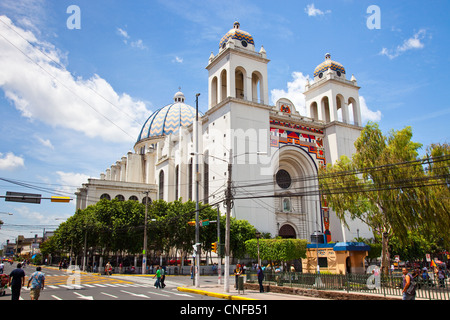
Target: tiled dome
{"points": [[168, 119], [237, 34], [329, 64]]}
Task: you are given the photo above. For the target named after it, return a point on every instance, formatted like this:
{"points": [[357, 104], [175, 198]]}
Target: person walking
{"points": [[158, 278], [108, 269], [163, 276], [16, 281], [409, 286], [37, 280], [237, 273], [260, 279]]}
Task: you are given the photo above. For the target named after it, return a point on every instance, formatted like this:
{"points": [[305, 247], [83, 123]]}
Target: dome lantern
{"points": [[329, 65]]}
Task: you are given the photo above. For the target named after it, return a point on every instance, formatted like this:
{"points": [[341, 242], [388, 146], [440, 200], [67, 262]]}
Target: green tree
{"points": [[385, 185], [277, 250]]}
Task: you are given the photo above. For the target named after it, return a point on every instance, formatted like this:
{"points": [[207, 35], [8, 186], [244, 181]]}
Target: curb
{"points": [[213, 294]]}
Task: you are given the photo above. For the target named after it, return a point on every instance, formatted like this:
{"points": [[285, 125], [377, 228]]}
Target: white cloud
{"points": [[366, 113], [294, 92], [46, 143], [11, 161], [42, 89], [409, 44], [123, 34], [139, 44], [312, 11], [178, 60], [71, 181]]}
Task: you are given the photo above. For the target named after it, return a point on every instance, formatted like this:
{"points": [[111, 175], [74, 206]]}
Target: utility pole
{"points": [[219, 269], [228, 196], [197, 173]]}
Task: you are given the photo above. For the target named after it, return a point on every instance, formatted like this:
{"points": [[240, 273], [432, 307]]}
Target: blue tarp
{"points": [[341, 246]]}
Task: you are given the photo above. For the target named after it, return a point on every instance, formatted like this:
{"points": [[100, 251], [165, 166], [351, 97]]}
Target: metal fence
{"points": [[383, 285]]}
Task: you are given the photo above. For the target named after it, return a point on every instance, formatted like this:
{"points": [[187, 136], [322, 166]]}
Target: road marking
{"points": [[135, 294], [107, 294], [53, 287], [159, 294], [57, 298], [182, 294], [84, 297]]}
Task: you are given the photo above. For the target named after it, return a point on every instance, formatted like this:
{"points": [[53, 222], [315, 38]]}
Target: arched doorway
{"points": [[287, 232]]}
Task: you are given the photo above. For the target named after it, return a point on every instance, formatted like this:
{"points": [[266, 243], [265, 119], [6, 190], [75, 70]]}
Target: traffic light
{"points": [[191, 223], [214, 247]]}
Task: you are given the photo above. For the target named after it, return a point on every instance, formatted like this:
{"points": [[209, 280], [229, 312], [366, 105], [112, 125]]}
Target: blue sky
{"points": [[72, 101]]}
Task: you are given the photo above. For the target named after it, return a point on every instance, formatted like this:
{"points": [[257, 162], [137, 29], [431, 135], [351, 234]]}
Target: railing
{"points": [[365, 283]]}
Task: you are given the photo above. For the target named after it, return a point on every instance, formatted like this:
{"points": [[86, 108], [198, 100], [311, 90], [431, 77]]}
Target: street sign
{"points": [[60, 199], [23, 197], [204, 223]]}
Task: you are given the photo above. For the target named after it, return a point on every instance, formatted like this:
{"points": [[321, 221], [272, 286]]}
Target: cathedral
{"points": [[274, 151]]}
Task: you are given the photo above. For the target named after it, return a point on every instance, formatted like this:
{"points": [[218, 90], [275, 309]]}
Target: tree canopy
{"points": [[388, 186], [118, 226]]}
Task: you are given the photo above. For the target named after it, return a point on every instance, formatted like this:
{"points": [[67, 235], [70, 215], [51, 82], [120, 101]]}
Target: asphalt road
{"points": [[63, 285]]}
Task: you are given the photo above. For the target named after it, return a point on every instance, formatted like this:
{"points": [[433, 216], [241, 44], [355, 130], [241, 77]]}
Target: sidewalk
{"points": [[247, 294]]}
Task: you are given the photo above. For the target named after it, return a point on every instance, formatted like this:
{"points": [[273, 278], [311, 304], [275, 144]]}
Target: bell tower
{"points": [[238, 71], [332, 97]]}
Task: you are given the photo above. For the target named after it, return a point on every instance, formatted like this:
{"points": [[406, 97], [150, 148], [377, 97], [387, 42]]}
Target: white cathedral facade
{"points": [[275, 152]]}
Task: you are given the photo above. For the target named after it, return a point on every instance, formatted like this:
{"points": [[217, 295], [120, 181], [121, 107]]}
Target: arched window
{"points": [[105, 196], [147, 200], [223, 88], [120, 197], [239, 83], [214, 91], [134, 198], [313, 111], [161, 184]]}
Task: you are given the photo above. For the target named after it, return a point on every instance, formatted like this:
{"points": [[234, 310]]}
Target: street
{"points": [[64, 285]]}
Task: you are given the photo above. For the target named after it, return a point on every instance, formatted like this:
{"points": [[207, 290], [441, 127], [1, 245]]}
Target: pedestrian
{"points": [[163, 276], [409, 286], [16, 281], [108, 269], [2, 267], [260, 279], [37, 280], [158, 278], [237, 273]]}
